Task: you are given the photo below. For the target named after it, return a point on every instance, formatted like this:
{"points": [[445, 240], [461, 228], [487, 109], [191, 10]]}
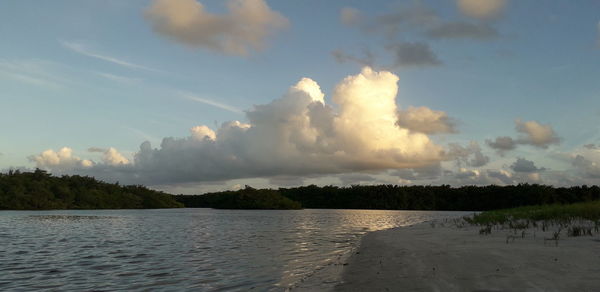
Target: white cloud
{"points": [[244, 28], [425, 120], [203, 132], [536, 134], [83, 50], [113, 157], [481, 9], [63, 161], [60, 160], [295, 135]]}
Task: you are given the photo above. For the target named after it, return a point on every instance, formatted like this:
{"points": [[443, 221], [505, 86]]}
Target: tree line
{"points": [[394, 197], [38, 190]]}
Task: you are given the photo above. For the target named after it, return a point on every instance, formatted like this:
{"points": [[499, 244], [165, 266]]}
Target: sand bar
{"points": [[447, 258]]}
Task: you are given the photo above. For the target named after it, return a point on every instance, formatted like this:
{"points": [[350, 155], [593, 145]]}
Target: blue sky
{"points": [[82, 74]]}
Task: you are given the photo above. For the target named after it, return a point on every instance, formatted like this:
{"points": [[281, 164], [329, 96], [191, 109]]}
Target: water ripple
{"points": [[180, 249]]}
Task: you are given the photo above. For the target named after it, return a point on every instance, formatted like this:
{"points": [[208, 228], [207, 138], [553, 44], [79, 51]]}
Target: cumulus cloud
{"points": [[113, 157], [110, 156], [469, 155], [295, 135], [63, 161], [531, 133], [245, 27], [425, 120], [501, 175], [60, 160], [413, 54], [525, 166], [502, 144], [536, 134], [203, 132], [481, 9], [464, 30], [587, 167]]}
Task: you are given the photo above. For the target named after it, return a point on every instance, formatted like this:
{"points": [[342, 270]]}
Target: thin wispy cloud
{"points": [[32, 72], [83, 50], [193, 97], [119, 78]]}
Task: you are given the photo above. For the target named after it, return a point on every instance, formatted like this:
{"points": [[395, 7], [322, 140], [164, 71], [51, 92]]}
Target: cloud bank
{"points": [[295, 135], [244, 28]]}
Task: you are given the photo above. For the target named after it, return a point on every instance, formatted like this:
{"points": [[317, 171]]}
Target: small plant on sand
{"points": [[486, 230], [555, 237], [575, 231]]}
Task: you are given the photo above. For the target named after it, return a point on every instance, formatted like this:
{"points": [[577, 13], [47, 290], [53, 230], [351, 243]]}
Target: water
{"points": [[181, 249]]}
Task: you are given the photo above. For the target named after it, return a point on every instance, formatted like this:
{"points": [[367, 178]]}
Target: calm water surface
{"points": [[181, 249]]}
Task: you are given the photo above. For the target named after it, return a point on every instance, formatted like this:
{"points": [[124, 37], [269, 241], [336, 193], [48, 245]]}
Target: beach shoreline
{"points": [[442, 256]]}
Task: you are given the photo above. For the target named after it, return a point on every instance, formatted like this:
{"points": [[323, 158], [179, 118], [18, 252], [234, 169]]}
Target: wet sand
{"points": [[447, 258]]}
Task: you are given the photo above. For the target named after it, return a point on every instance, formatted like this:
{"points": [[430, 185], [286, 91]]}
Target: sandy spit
{"points": [[447, 258]]}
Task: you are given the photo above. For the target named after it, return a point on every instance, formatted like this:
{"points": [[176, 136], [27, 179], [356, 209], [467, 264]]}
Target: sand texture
{"points": [[448, 258]]}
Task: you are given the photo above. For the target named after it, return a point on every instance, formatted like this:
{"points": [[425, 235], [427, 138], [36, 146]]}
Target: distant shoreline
{"points": [[434, 257]]}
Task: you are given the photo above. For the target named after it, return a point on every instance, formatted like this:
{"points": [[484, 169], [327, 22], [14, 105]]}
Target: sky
{"points": [[192, 96]]}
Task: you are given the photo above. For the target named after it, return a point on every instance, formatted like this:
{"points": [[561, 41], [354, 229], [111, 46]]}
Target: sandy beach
{"points": [[447, 258]]}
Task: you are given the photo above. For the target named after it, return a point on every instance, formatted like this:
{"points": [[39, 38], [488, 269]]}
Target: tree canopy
{"points": [[394, 197], [39, 190]]}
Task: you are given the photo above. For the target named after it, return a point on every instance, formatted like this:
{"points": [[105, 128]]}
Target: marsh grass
{"points": [[579, 219]]}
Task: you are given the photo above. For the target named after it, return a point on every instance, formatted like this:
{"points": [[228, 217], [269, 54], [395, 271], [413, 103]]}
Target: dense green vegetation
{"points": [[578, 219], [395, 197], [40, 191], [248, 198], [555, 212]]}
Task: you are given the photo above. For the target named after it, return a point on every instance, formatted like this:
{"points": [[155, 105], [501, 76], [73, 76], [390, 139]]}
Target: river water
{"points": [[181, 249]]}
